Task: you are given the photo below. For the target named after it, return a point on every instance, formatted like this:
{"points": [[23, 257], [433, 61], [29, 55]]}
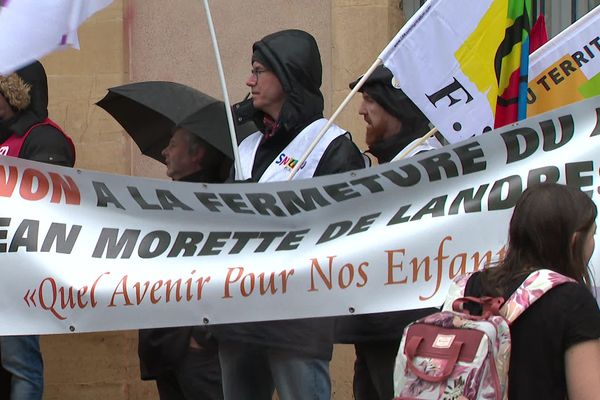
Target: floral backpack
{"points": [[452, 355]]}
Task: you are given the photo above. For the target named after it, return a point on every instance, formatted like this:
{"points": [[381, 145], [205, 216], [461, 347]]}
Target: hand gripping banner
{"points": [[83, 251]]}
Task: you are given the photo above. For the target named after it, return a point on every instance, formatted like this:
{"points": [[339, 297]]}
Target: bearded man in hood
{"points": [[394, 125]]}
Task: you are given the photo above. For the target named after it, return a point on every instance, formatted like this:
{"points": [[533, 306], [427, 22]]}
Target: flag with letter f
{"points": [[455, 60]]}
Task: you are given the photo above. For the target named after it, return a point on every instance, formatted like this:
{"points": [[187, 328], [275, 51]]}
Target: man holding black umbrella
{"points": [[186, 130], [184, 361]]}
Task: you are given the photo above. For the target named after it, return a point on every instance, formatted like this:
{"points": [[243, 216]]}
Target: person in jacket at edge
{"points": [[290, 356], [184, 360], [26, 132], [394, 123]]}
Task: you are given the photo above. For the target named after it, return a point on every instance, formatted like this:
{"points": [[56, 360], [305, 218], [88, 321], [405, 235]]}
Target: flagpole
{"points": [[334, 116], [213, 36], [404, 153]]}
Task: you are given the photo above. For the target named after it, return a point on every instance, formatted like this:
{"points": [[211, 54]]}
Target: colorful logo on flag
{"points": [[512, 65], [495, 58]]}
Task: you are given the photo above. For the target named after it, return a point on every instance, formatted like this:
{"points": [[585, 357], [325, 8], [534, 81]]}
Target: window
{"points": [[560, 14]]}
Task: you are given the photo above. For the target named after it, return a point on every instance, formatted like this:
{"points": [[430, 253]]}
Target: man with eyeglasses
{"points": [[287, 106]]}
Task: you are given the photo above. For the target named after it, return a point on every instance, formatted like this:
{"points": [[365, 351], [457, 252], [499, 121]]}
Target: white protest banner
{"points": [[444, 60], [31, 29], [566, 69], [84, 251]]}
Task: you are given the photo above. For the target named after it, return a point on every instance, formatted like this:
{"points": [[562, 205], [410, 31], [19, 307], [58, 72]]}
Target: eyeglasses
{"points": [[257, 72]]}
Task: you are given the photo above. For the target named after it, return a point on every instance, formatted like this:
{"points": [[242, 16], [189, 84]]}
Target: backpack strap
{"points": [[456, 291], [537, 284]]}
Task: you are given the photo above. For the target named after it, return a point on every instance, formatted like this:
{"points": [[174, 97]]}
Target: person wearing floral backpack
{"points": [[553, 347], [555, 343]]}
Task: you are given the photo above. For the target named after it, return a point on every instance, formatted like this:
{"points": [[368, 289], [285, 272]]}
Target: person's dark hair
{"points": [[548, 229], [214, 162]]}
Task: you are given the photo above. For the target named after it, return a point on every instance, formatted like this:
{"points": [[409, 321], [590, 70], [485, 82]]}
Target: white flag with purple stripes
{"points": [[31, 29]]}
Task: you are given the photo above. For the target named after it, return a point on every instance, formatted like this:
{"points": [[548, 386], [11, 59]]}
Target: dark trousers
{"points": [[4, 384], [374, 370], [197, 377]]}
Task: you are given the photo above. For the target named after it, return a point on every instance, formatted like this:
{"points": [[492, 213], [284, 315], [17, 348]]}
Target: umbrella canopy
{"points": [[149, 111]]}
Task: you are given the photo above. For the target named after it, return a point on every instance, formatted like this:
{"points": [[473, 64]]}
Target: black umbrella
{"points": [[149, 111]]}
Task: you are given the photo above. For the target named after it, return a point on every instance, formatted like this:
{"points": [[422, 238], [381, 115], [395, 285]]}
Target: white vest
{"points": [[282, 165]]}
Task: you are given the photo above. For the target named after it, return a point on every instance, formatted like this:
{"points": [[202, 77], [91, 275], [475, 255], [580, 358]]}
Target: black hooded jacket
{"points": [[294, 57], [45, 143]]}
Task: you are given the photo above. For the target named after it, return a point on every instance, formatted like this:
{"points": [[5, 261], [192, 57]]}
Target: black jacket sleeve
{"points": [[47, 144], [341, 155]]}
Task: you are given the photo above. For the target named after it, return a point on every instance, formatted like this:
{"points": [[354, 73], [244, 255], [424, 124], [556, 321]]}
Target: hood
{"points": [[293, 55], [16, 91], [385, 90], [37, 111]]}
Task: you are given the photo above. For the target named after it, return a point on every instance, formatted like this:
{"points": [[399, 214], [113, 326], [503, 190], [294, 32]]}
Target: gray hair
{"points": [[194, 142], [214, 161]]}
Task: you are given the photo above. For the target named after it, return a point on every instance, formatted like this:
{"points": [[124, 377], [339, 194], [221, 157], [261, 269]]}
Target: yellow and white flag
{"points": [[447, 59]]}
